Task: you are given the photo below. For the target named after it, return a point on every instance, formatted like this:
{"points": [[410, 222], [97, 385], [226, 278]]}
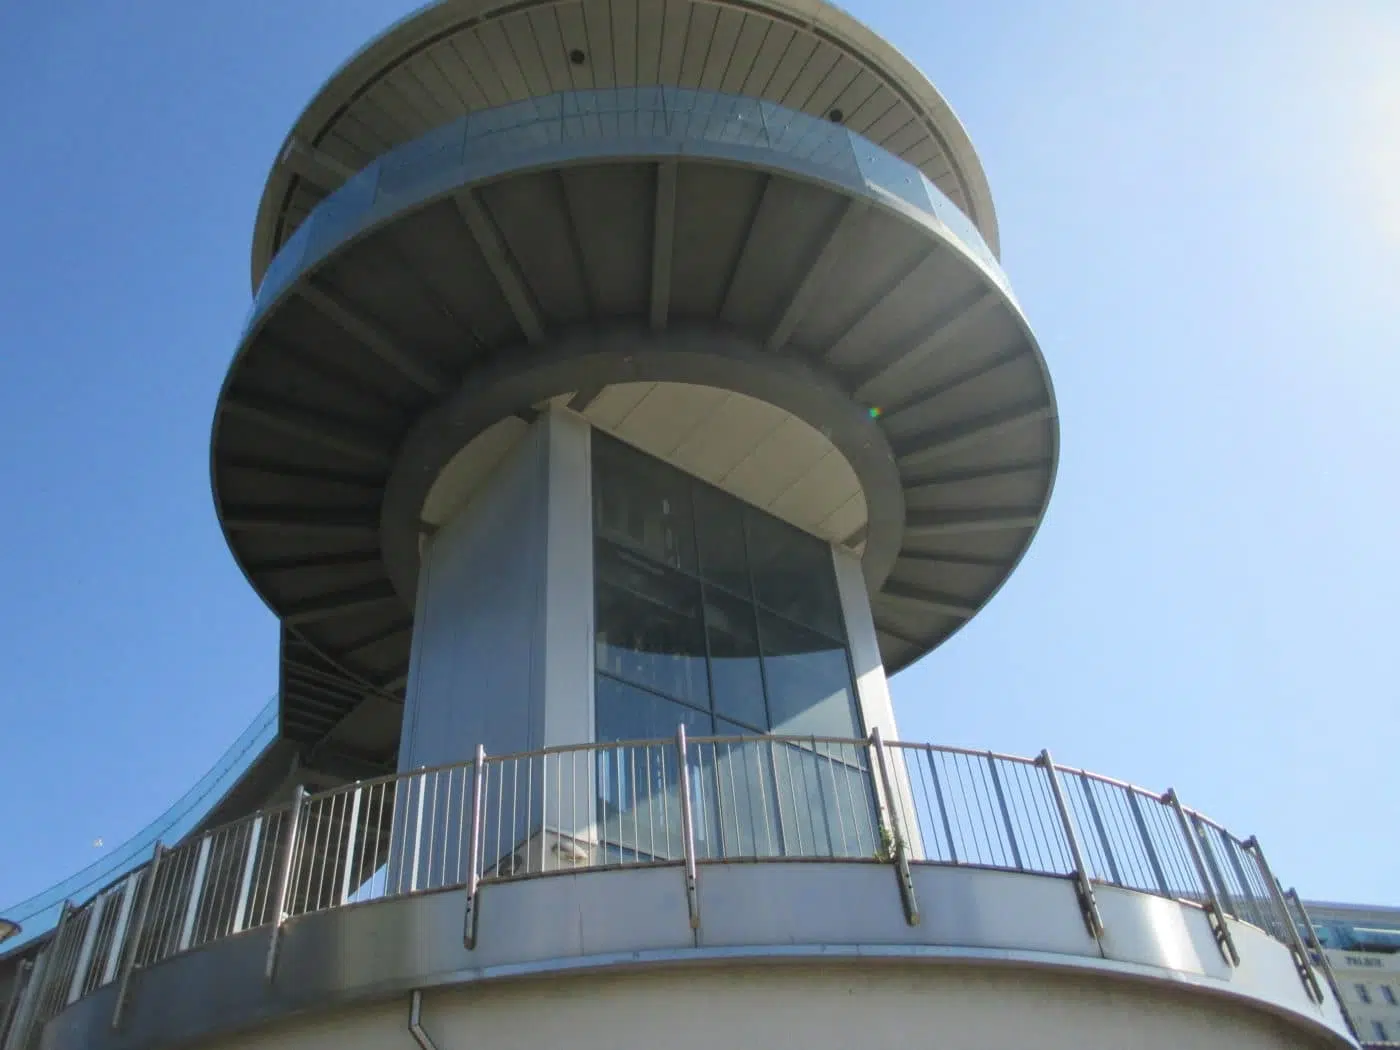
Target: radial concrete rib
{"points": [[338, 603], [941, 601], [316, 166], [663, 243], [582, 268], [896, 407], [817, 271], [276, 518], [395, 681], [946, 440], [354, 649], [954, 475], [373, 338], [852, 332], [883, 627], [502, 265], [585, 397], [326, 475], [954, 560], [731, 281], [956, 522], [926, 342], [334, 560], [290, 420]]}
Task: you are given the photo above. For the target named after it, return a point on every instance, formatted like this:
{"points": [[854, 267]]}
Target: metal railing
{"points": [[675, 802]]}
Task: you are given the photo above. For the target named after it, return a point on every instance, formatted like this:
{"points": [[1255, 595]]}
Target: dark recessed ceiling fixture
{"points": [[577, 57], [836, 116]]}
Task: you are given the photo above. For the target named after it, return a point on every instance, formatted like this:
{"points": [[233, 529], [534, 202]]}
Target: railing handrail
{"points": [[544, 811]]}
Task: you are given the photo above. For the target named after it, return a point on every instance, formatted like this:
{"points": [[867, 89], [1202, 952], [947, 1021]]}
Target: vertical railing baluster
{"points": [[942, 806], [201, 868], [1086, 785], [882, 786], [1147, 845], [1005, 812], [245, 884], [284, 878], [469, 922], [84, 960], [138, 925], [118, 945], [352, 831], [1088, 904], [1223, 937], [692, 891]]}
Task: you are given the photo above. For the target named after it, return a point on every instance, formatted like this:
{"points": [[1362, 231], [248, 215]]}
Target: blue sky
{"points": [[1200, 211]]}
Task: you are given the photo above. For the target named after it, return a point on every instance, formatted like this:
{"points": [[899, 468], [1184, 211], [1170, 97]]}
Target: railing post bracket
{"points": [[884, 788], [284, 880], [1295, 945], [1083, 885], [692, 889], [1224, 940], [469, 919]]}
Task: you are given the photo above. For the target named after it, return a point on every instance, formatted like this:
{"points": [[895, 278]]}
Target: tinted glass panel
{"points": [[809, 681], [793, 574], [745, 792], [639, 787], [648, 627], [736, 679], [643, 503], [719, 532]]}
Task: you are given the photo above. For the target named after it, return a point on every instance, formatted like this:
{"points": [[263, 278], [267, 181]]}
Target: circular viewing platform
{"points": [[602, 866], [456, 57]]}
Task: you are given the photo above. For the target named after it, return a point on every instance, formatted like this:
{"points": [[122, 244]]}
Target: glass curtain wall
{"points": [[717, 616]]}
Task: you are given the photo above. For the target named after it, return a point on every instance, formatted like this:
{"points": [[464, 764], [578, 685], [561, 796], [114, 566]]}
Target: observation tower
{"points": [[630, 387]]}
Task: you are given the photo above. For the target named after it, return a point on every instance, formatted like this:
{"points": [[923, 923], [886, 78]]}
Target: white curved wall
{"points": [[869, 1006]]}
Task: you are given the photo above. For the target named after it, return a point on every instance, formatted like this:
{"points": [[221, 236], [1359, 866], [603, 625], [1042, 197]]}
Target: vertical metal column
{"points": [[884, 791], [245, 884], [1223, 938], [114, 953], [1323, 961], [1147, 845], [133, 940], [1213, 862], [347, 878], [201, 869], [1093, 804], [284, 879], [1005, 811], [692, 891], [474, 848], [1084, 888], [80, 968], [1300, 953]]}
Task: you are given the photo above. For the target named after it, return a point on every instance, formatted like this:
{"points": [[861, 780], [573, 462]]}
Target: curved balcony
{"points": [[599, 856], [40, 913]]}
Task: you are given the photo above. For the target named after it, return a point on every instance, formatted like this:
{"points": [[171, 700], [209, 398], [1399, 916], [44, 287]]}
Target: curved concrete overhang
{"points": [[460, 260], [455, 57], [765, 913], [696, 356]]}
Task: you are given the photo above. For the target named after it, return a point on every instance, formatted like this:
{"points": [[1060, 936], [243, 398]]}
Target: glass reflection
{"points": [[808, 678], [793, 574], [736, 677], [648, 627]]}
